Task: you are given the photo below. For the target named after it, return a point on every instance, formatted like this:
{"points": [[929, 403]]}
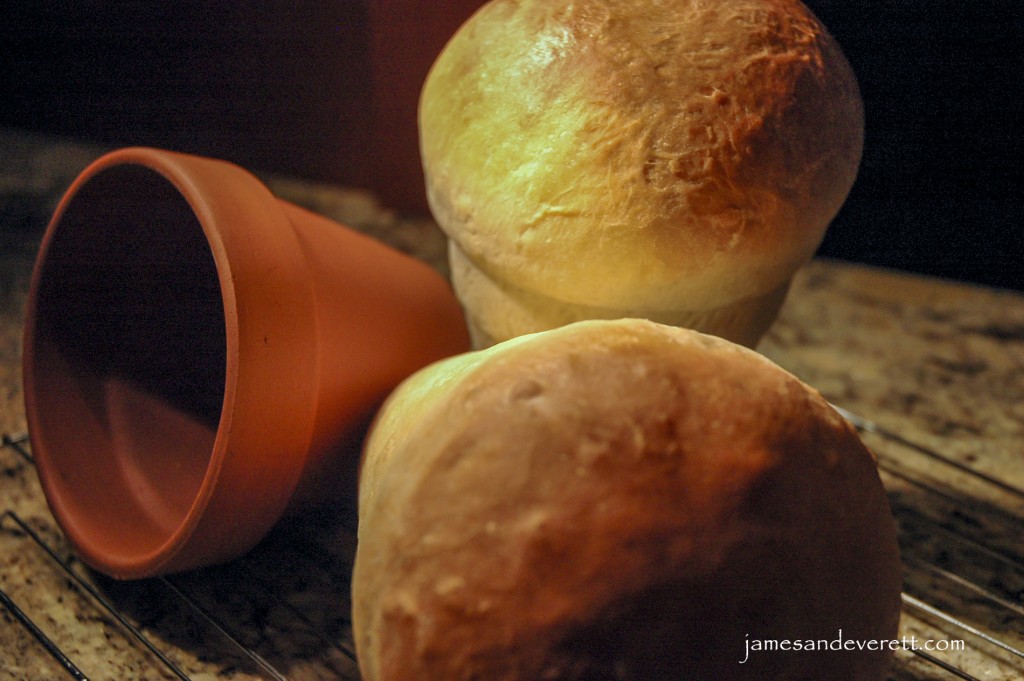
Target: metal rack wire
{"points": [[960, 541], [225, 622]]}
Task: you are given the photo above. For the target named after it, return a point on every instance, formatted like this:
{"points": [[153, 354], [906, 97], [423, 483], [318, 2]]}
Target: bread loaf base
{"points": [[497, 311]]}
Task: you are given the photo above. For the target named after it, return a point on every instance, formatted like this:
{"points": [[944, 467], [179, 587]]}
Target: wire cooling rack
{"points": [[281, 611]]}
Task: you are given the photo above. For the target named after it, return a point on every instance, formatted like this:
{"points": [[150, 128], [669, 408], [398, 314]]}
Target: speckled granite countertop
{"points": [[935, 368]]}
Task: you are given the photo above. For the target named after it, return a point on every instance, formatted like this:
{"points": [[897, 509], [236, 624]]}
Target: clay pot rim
{"points": [[194, 178]]}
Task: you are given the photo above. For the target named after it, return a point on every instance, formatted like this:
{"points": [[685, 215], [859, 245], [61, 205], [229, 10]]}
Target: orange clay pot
{"points": [[202, 358]]}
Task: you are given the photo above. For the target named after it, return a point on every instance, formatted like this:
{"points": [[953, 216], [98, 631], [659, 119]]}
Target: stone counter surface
{"points": [[936, 368]]}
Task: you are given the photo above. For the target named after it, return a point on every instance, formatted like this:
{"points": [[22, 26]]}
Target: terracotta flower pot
{"points": [[202, 358]]}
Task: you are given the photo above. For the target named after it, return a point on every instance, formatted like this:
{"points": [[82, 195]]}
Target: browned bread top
{"points": [[640, 154], [618, 500]]}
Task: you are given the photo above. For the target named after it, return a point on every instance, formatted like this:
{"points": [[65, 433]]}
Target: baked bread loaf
{"points": [[618, 500], [676, 161]]}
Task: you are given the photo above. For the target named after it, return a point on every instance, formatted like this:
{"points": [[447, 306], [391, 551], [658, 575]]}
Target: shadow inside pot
{"points": [[132, 312]]}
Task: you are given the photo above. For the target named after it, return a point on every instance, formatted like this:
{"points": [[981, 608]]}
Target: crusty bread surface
{"points": [[618, 500], [639, 155]]}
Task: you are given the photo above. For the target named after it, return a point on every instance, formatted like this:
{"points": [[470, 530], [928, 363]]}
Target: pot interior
{"points": [[128, 366]]}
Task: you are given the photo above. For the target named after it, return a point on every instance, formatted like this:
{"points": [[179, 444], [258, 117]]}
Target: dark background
{"points": [[939, 189], [327, 91]]}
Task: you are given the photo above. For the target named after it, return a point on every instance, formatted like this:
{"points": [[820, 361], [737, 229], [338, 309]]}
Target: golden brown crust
{"points": [[640, 155], [621, 500]]}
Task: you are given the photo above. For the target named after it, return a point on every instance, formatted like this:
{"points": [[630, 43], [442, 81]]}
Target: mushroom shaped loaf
{"points": [[675, 160]]}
